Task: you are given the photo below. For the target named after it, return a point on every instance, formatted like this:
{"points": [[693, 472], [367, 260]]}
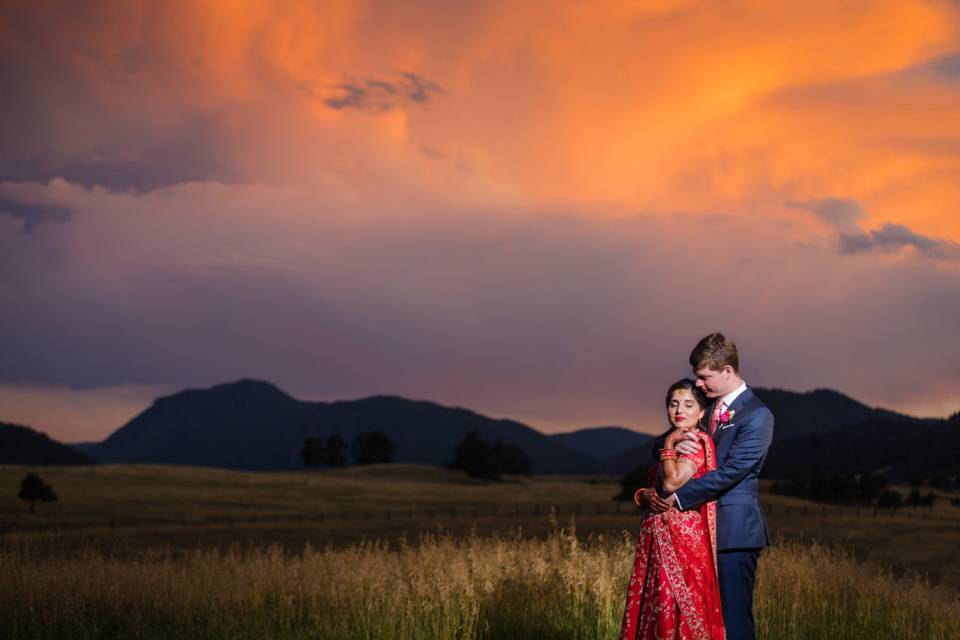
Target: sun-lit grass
{"points": [[813, 592], [441, 586]]}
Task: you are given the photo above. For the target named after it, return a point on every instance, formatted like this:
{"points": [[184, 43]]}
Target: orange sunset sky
{"points": [[531, 209]]}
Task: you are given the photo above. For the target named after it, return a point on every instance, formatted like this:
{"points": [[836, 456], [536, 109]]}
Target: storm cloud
{"points": [[845, 215], [894, 237], [555, 318], [383, 95]]}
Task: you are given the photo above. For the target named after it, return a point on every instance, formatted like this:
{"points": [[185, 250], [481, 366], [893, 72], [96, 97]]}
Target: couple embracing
{"points": [[702, 528]]}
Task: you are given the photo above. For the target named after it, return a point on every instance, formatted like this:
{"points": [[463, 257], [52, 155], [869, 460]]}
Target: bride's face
{"points": [[683, 411]]}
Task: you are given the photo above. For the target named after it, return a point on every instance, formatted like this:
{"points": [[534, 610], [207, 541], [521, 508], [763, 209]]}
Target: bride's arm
{"points": [[676, 472]]}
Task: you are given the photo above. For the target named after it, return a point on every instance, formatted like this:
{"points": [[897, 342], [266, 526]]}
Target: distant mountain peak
{"points": [[244, 387], [249, 385]]}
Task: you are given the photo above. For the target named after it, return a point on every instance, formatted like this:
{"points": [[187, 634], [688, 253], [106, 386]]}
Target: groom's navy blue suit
{"points": [[741, 449]]}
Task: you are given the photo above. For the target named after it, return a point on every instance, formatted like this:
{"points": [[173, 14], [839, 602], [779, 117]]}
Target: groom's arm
{"points": [[749, 446]]}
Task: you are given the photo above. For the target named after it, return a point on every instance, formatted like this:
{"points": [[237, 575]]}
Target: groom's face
{"points": [[715, 383]]}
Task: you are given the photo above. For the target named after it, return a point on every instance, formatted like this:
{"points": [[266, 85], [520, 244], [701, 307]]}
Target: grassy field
{"points": [[149, 506], [170, 505], [401, 551], [441, 587]]}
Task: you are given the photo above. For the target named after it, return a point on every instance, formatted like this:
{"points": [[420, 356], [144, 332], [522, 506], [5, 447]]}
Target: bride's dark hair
{"points": [[690, 386]]}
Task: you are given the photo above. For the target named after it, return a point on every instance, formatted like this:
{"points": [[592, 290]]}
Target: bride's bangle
{"points": [[667, 454], [638, 497]]}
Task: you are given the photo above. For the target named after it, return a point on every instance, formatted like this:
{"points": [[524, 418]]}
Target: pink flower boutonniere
{"points": [[726, 418]]}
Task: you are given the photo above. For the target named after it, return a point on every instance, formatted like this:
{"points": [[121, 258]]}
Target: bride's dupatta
{"points": [[709, 509], [671, 594]]}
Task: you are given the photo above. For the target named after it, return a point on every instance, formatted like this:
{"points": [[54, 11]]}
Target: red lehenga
{"points": [[673, 592]]}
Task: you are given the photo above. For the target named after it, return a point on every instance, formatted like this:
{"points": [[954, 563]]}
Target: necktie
{"points": [[715, 417]]}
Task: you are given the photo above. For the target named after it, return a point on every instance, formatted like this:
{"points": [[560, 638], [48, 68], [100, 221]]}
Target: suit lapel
{"points": [[722, 436], [741, 400]]}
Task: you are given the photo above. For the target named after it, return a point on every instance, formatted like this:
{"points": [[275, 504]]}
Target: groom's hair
{"points": [[715, 352]]}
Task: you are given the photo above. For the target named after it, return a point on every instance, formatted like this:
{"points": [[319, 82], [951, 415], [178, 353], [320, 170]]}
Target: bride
{"points": [[673, 592]]}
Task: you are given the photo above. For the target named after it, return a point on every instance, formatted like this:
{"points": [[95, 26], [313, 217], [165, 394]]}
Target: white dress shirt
{"points": [[728, 399]]}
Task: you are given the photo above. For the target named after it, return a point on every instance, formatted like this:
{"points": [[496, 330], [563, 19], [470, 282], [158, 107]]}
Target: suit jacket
{"points": [[741, 450]]}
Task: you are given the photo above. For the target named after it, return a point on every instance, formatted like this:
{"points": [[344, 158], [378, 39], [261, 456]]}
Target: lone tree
{"points": [[33, 488], [481, 459], [372, 447], [319, 451]]}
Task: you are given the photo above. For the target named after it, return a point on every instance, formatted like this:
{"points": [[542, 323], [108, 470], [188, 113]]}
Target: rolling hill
{"points": [[23, 445]]}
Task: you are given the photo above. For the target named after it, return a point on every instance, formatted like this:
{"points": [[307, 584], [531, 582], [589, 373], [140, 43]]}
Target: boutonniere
{"points": [[726, 419]]}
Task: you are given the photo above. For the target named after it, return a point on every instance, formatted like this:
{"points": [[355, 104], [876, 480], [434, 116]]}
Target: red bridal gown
{"points": [[673, 592]]}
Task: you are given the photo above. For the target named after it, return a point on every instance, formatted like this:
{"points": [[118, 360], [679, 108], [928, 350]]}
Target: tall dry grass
{"points": [[440, 587]]}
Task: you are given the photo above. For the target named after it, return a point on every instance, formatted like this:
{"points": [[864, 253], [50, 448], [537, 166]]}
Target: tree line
{"points": [[865, 489], [476, 456], [370, 447]]}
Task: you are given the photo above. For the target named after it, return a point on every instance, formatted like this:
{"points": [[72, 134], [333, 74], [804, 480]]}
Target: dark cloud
{"points": [[183, 159], [418, 88], [32, 214], [893, 237], [845, 214], [948, 65], [382, 95], [854, 242]]}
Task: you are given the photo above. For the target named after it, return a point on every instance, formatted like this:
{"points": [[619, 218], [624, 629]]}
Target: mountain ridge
{"points": [[801, 421], [191, 427], [254, 425]]}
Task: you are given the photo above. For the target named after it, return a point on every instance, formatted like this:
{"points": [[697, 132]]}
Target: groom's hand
{"points": [[688, 447]]}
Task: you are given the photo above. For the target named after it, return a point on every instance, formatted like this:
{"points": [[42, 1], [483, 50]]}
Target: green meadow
{"points": [[400, 551]]}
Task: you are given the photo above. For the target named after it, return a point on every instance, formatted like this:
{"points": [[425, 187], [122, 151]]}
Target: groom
{"points": [[742, 429]]}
